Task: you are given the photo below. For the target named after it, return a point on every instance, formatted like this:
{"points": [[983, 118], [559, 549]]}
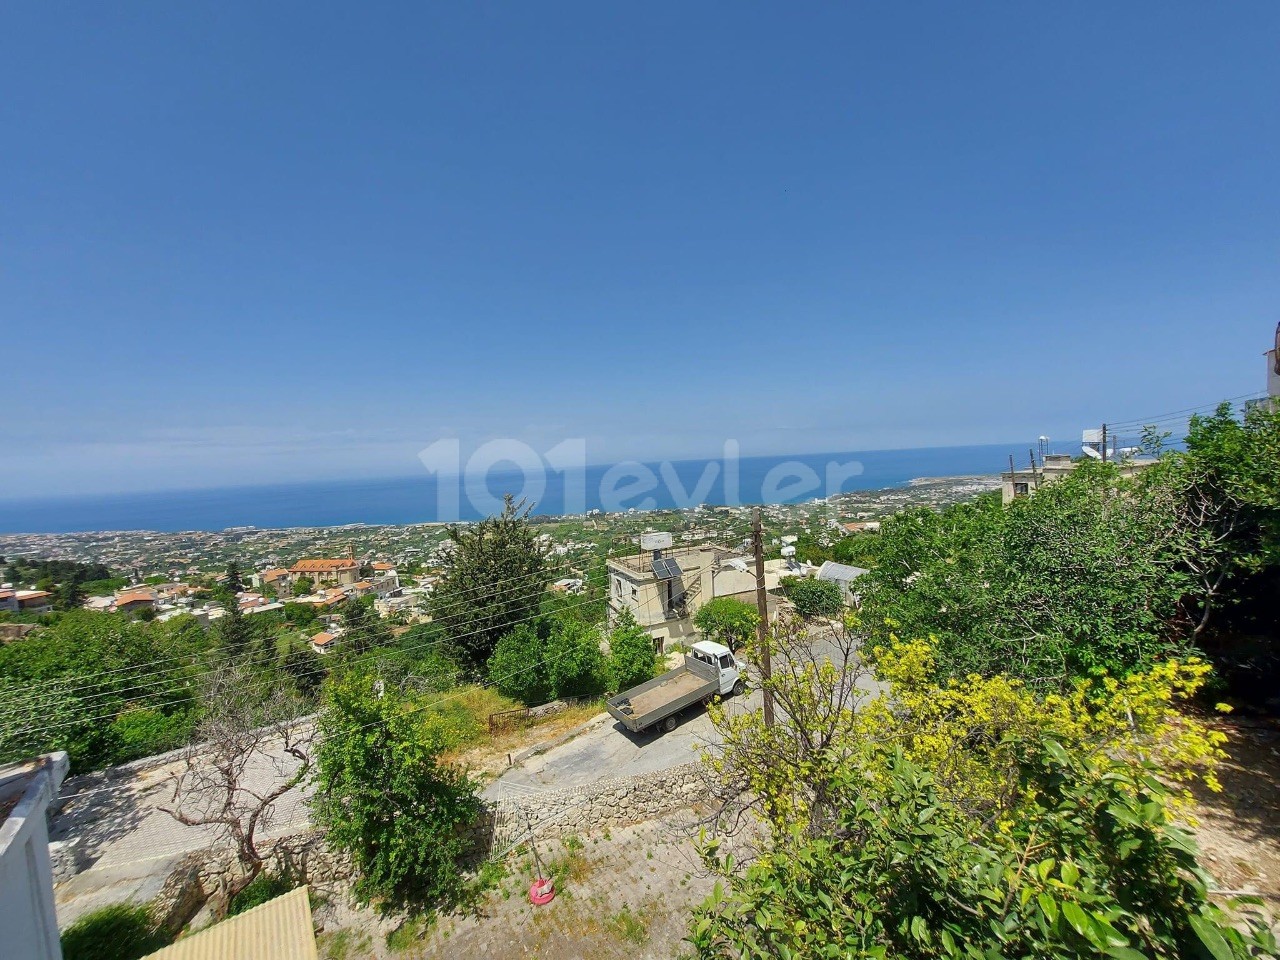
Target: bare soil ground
{"points": [[625, 893], [1239, 828]]}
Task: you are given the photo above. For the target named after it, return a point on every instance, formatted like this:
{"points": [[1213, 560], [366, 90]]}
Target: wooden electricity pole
{"points": [[1104, 443], [762, 628]]}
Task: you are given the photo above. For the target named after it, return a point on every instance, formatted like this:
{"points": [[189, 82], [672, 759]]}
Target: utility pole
{"points": [[762, 628], [1104, 443]]}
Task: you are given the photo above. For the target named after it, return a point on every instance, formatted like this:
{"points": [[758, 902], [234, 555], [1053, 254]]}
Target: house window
{"points": [[617, 586], [1020, 489], [634, 593]]}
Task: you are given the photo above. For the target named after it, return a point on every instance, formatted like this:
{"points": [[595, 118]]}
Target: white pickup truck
{"points": [[709, 669]]}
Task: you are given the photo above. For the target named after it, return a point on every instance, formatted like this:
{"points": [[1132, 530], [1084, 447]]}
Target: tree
{"points": [[234, 632], [305, 668], [813, 597], [494, 576], [303, 587], [575, 664], [251, 753], [362, 628], [1083, 577], [234, 584], [385, 796], [727, 620], [71, 593], [518, 667], [633, 659]]}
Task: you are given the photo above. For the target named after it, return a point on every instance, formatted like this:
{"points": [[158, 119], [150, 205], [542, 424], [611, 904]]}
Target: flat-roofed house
{"points": [[663, 588]]}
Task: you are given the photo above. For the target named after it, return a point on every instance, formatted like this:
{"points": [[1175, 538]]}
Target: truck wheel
{"points": [[669, 724], [738, 687]]}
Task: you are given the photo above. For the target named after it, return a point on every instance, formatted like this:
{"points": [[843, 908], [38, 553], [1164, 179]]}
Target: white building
{"points": [[28, 919]]}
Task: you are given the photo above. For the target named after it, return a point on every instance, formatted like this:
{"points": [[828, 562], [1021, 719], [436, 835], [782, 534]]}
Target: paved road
{"points": [[608, 749]]}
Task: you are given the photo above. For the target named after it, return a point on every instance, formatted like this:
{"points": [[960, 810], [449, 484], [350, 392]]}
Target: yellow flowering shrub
{"points": [[967, 731]]}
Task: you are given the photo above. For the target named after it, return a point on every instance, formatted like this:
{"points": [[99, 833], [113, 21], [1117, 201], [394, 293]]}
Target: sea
{"points": [[427, 498]]}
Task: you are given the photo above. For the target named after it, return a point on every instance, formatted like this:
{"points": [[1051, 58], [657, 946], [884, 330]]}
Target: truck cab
{"points": [[729, 668]]}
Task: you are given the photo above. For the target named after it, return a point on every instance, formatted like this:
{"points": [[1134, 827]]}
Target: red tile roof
{"points": [[322, 566]]}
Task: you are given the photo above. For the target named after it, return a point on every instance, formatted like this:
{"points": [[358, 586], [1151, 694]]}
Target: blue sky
{"points": [[250, 243]]}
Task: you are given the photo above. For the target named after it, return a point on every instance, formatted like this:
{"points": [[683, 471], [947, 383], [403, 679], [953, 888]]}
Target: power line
{"points": [[93, 682], [261, 684], [1186, 413], [444, 698]]}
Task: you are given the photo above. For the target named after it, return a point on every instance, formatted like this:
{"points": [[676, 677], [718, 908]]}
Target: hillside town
{"points": [[640, 482]]}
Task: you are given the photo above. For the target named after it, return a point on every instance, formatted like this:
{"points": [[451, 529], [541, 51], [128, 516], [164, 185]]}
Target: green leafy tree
{"points": [[70, 594], [1083, 577], [493, 579], [385, 796], [363, 629], [727, 620], [518, 667], [303, 587], [633, 659], [575, 663], [72, 678], [304, 667], [813, 597]]}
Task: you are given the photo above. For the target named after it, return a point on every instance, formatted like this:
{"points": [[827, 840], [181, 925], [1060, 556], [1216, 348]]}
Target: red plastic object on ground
{"points": [[542, 890]]}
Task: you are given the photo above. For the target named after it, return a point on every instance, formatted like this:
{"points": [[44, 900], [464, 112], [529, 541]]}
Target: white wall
{"points": [[28, 918]]}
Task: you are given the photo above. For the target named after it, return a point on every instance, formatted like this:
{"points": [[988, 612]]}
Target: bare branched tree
{"points": [[252, 751]]}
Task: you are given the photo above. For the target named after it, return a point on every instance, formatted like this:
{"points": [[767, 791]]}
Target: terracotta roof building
{"points": [[342, 572]]}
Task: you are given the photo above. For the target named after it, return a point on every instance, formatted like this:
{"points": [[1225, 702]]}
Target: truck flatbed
{"points": [[675, 688], [661, 698]]}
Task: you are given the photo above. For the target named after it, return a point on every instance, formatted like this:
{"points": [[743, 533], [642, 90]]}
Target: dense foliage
{"points": [[1095, 572], [385, 796], [1090, 866], [123, 931], [493, 579], [89, 684], [812, 597], [727, 620], [633, 658], [973, 816]]}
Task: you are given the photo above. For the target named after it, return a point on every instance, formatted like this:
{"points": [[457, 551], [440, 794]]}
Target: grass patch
{"points": [[124, 931], [629, 925], [344, 944], [466, 711], [410, 933], [265, 886]]}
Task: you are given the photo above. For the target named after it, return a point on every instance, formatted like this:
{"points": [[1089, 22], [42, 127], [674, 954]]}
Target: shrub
{"points": [[263, 887], [1091, 866], [123, 931], [813, 598]]}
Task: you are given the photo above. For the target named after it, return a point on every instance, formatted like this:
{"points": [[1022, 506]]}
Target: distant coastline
{"points": [[410, 500]]}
